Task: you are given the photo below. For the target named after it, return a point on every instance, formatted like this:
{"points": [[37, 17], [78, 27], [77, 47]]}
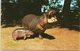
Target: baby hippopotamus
{"points": [[21, 32]]}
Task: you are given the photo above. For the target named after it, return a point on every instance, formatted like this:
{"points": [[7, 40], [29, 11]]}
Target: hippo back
{"points": [[30, 21]]}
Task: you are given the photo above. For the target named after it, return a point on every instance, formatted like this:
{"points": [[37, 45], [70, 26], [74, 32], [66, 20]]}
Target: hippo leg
{"points": [[24, 37], [40, 34], [28, 36], [15, 38], [40, 37]]}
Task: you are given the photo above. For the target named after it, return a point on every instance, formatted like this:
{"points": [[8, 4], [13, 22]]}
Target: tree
{"points": [[78, 1], [14, 10], [66, 11]]}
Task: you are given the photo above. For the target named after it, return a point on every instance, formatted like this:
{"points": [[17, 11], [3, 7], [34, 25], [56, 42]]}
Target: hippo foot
{"points": [[15, 39], [24, 37], [40, 37]]}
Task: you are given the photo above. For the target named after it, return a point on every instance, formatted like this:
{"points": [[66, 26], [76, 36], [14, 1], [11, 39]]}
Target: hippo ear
{"points": [[51, 12]]}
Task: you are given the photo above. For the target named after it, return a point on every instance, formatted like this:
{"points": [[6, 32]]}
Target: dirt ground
{"points": [[65, 39]]}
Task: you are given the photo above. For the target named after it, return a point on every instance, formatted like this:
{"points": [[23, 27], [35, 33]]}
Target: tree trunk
{"points": [[78, 1], [66, 11]]}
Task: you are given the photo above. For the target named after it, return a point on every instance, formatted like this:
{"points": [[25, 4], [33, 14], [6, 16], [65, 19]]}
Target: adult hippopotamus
{"points": [[37, 24]]}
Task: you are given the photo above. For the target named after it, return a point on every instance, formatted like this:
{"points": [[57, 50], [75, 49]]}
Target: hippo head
{"points": [[51, 16]]}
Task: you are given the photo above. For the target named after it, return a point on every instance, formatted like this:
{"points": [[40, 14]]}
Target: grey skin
{"points": [[21, 32], [38, 23]]}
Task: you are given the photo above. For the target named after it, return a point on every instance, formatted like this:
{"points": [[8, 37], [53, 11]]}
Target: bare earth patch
{"points": [[65, 39]]}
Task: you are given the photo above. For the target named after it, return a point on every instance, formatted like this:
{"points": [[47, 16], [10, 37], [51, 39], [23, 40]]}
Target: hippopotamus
{"points": [[36, 23], [21, 32]]}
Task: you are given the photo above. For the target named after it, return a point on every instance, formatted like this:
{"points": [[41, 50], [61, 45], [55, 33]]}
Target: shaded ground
{"points": [[65, 39]]}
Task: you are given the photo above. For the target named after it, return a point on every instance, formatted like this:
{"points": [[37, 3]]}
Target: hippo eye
{"points": [[53, 15], [49, 16]]}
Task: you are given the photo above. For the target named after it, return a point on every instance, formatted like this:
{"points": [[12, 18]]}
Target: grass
{"points": [[65, 39]]}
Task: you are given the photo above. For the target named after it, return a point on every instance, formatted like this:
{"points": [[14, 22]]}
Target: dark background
{"points": [[14, 10]]}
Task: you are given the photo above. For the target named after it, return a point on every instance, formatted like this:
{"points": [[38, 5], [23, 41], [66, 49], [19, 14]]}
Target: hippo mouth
{"points": [[52, 20]]}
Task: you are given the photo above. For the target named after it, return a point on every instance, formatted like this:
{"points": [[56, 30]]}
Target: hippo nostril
{"points": [[54, 19]]}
